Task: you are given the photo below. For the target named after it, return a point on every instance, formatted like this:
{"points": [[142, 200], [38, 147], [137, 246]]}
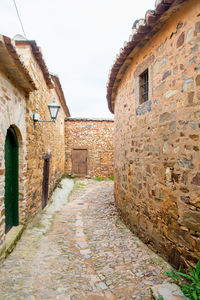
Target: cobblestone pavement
{"points": [[87, 253]]}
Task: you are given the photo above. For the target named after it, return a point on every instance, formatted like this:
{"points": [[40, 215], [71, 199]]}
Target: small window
{"points": [[144, 86]]}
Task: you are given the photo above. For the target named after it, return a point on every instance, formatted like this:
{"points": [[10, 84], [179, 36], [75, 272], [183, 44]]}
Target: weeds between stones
{"points": [[111, 177], [78, 185], [192, 288], [99, 179]]}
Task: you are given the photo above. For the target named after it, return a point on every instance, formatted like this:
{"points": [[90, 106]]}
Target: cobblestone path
{"points": [[87, 253]]}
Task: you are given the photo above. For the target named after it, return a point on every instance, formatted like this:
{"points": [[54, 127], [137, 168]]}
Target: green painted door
{"points": [[11, 180]]}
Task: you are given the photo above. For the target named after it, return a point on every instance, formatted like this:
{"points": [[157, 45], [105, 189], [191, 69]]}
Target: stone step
{"points": [[11, 239], [169, 291]]}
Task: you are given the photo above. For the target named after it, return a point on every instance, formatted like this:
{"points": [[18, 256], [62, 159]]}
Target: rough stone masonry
{"points": [[157, 150], [95, 137], [26, 87]]}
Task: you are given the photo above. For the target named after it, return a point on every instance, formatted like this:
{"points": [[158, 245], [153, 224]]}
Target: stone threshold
{"points": [[11, 239], [168, 291]]}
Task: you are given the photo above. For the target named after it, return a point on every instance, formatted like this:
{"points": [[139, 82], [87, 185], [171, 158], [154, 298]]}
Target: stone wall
{"points": [[15, 84], [26, 87], [45, 138], [157, 150], [96, 136], [12, 112]]}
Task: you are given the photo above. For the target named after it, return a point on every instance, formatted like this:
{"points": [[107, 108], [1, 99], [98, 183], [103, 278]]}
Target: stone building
{"points": [[45, 142], [154, 93], [89, 147], [32, 159]]}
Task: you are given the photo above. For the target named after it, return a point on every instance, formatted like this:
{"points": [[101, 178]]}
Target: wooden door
{"points": [[11, 180], [79, 162], [45, 184]]}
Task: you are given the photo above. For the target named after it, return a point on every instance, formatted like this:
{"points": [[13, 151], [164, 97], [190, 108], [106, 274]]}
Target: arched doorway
{"points": [[11, 179]]}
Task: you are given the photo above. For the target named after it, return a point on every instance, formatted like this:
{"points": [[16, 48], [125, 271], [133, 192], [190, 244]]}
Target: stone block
{"points": [[180, 40], [191, 219], [166, 74], [144, 108], [197, 80], [189, 35], [160, 64], [192, 60], [12, 237], [197, 27], [168, 292], [196, 179], [197, 115], [166, 116], [186, 163], [188, 85], [171, 93]]}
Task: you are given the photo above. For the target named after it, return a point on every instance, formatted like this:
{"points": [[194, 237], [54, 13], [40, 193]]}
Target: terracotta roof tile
{"points": [[15, 68], [90, 119], [60, 94], [39, 58]]}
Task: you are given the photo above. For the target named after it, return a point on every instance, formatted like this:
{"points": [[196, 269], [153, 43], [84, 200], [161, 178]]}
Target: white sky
{"points": [[79, 41]]}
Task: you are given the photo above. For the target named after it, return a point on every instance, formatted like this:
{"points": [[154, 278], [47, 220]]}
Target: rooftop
{"points": [[89, 119]]}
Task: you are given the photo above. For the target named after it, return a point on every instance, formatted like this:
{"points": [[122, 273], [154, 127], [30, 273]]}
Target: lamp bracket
{"points": [[36, 118]]}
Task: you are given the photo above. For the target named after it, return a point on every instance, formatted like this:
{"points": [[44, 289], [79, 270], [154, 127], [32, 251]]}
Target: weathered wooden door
{"points": [[11, 180], [79, 162], [45, 185]]}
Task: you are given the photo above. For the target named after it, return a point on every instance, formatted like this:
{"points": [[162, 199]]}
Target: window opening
{"points": [[144, 86]]}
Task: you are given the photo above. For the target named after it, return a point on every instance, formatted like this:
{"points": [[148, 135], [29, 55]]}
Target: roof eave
{"points": [[39, 58], [13, 67], [60, 94]]}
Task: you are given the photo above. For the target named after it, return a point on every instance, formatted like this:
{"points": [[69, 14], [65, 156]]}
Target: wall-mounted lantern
{"points": [[53, 110]]}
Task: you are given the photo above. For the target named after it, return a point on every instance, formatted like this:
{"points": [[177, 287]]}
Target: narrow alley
{"points": [[83, 251]]}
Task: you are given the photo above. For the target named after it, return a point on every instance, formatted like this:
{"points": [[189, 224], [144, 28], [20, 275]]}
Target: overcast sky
{"points": [[79, 41]]}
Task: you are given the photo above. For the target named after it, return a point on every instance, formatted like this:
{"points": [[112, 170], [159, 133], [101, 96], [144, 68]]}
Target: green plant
{"points": [[77, 186], [160, 297], [111, 177], [192, 288], [174, 275], [99, 178]]}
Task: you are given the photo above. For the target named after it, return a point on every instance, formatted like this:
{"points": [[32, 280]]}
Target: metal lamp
{"points": [[53, 110]]}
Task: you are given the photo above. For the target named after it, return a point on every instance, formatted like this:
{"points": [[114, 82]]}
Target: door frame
{"points": [[11, 181], [45, 182], [76, 148]]}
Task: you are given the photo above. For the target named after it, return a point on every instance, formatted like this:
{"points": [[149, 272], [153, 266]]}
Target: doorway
{"points": [[45, 184], [11, 180], [79, 162]]}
